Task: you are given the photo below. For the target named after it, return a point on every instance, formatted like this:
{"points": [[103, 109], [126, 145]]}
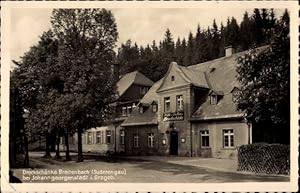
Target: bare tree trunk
{"points": [[57, 155], [47, 149], [26, 159], [68, 158], [79, 147]]}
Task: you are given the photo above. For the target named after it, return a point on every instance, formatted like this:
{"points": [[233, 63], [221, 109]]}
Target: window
{"points": [[213, 99], [83, 139], [136, 142], [228, 138], [154, 108], [129, 110], [179, 103], [150, 139], [235, 95], [141, 109], [61, 140], [133, 105], [204, 138], [167, 104], [73, 138], [89, 137], [124, 111], [143, 90], [108, 136], [172, 78], [122, 137], [98, 137]]}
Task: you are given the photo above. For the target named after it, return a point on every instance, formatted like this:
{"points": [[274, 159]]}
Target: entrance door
{"points": [[173, 143]]}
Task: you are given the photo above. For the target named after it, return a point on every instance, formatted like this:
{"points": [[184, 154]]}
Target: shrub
{"points": [[264, 158]]}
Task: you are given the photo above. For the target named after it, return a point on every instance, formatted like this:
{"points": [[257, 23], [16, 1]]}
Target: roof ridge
{"points": [[207, 80], [216, 59], [189, 80]]}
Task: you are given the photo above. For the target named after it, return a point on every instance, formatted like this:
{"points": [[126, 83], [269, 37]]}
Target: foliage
{"points": [[264, 76], [63, 81], [204, 45]]}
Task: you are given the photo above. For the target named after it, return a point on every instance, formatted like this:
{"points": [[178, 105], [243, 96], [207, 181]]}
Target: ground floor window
{"points": [[228, 138], [108, 136], [136, 142], [98, 137], [89, 137], [204, 138], [122, 137], [150, 139]]}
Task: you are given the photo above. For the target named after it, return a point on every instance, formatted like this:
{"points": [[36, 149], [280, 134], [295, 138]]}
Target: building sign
{"points": [[173, 116]]}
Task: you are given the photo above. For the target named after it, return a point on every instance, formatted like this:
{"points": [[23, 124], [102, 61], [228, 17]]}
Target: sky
{"points": [[141, 25]]}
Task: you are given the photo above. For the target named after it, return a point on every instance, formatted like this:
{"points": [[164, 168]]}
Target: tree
{"points": [[166, 53], [216, 40], [27, 83], [86, 40], [128, 57], [190, 50], [222, 41], [232, 33], [199, 44], [247, 32], [264, 76]]}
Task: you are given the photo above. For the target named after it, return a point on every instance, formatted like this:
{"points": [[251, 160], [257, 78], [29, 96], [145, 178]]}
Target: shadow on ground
{"points": [[170, 169]]}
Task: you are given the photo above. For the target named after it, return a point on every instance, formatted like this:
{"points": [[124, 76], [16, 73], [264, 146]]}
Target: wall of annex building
{"points": [[143, 147], [96, 140], [216, 148]]}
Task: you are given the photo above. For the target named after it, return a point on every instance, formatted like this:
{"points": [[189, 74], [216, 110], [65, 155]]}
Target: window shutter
{"points": [[104, 136], [112, 137], [93, 137]]}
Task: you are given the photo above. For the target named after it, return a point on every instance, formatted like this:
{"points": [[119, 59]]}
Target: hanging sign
{"points": [[173, 116]]}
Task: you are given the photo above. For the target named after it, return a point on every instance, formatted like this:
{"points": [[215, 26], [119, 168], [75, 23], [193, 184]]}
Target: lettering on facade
{"points": [[173, 116]]}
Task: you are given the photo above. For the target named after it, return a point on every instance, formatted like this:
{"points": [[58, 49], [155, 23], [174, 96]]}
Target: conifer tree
{"points": [[246, 32]]}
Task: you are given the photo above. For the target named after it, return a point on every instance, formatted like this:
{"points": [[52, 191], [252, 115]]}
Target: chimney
{"points": [[229, 50]]}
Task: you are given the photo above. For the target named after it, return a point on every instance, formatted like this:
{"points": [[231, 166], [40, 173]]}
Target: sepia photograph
{"points": [[148, 95]]}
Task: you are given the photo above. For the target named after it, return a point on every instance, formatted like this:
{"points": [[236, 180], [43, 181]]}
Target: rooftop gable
{"points": [[148, 116], [179, 76], [131, 78]]}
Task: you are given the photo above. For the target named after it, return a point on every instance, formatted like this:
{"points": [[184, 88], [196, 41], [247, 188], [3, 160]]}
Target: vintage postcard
{"points": [[149, 96]]}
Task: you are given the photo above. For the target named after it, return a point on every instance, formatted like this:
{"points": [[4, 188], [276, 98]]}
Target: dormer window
{"points": [[236, 93], [213, 99], [143, 90], [154, 107], [124, 111], [215, 96], [141, 109], [129, 110]]}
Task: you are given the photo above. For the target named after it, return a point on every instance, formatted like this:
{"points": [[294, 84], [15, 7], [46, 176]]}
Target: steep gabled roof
{"points": [[148, 117], [128, 79], [197, 78], [222, 79], [194, 77]]}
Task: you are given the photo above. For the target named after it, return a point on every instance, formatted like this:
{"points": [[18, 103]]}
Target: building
{"points": [[111, 137], [191, 111]]}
